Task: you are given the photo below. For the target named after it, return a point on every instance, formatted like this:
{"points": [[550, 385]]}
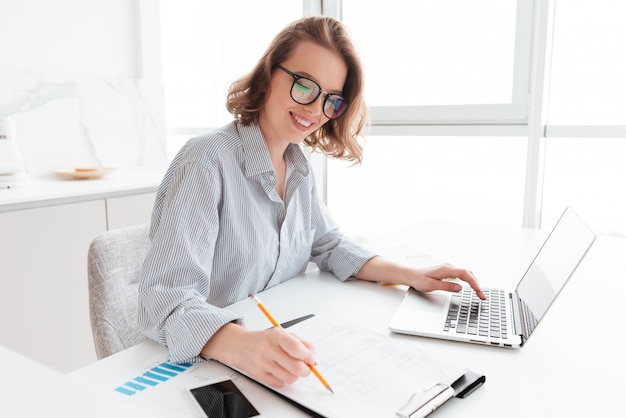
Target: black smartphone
{"points": [[222, 399]]}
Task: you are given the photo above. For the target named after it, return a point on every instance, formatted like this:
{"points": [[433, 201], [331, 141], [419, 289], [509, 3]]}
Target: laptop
{"points": [[507, 318]]}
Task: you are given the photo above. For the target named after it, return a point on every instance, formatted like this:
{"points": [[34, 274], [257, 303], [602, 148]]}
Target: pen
{"points": [[277, 325]]}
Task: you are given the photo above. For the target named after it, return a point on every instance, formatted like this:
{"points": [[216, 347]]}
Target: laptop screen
{"points": [[556, 261]]}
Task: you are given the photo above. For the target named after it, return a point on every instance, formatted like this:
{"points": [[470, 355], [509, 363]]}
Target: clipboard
{"points": [[422, 403]]}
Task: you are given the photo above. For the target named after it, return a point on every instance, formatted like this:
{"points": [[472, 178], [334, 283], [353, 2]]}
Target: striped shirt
{"points": [[220, 232]]}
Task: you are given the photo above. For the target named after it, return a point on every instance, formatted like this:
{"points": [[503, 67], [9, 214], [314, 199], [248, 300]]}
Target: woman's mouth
{"points": [[302, 122]]}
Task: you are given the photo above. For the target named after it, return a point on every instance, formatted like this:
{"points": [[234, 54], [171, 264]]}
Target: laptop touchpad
{"points": [[429, 302], [423, 304]]}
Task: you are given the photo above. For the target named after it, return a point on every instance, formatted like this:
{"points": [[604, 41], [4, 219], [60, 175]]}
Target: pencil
{"points": [[277, 325]]}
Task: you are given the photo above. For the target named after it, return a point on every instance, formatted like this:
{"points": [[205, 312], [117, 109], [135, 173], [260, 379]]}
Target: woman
{"points": [[238, 212]]}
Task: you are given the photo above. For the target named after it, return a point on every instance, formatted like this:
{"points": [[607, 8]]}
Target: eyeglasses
{"points": [[305, 91]]}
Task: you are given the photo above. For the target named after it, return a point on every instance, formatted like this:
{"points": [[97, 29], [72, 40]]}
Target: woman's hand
{"points": [[379, 269], [274, 356], [434, 278]]}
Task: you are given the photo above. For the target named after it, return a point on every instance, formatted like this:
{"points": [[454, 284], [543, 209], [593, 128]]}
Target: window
{"points": [[435, 52], [588, 76], [447, 82], [404, 179], [589, 175], [586, 116], [443, 61], [579, 100]]}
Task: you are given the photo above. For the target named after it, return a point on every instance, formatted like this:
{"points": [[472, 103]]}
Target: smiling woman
{"points": [[306, 118], [238, 210]]}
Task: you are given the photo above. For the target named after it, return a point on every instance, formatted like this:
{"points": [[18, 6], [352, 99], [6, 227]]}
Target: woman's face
{"points": [[284, 121]]}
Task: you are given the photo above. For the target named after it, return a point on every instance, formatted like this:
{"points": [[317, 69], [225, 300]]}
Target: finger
{"points": [[271, 358], [271, 380], [297, 348], [306, 343], [447, 271], [447, 286], [291, 359], [473, 282], [276, 366], [282, 373], [468, 277]]}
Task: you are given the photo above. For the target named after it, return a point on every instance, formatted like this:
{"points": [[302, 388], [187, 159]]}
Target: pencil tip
{"points": [[331, 391]]}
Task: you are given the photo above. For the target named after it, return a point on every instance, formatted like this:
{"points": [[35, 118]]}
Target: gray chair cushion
{"points": [[115, 259]]}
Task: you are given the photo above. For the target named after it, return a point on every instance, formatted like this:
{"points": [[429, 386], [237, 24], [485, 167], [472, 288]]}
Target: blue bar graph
{"points": [[159, 374], [156, 376]]}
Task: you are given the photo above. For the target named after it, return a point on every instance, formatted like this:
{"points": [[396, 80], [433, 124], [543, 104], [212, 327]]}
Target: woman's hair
{"points": [[337, 138]]}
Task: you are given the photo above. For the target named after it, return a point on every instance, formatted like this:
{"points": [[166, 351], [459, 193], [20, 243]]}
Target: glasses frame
{"points": [[297, 77]]}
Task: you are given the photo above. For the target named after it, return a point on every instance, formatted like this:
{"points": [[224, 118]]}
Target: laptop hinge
{"points": [[516, 315]]}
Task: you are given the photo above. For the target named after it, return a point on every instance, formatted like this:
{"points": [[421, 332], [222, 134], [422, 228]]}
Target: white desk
{"points": [[20, 377], [564, 369]]}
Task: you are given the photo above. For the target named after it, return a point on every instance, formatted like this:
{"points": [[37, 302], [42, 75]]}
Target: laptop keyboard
{"points": [[470, 315]]}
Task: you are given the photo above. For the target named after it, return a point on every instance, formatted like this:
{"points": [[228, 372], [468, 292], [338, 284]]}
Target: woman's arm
{"points": [[379, 269]]}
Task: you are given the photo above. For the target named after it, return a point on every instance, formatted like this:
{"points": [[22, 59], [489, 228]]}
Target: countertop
{"points": [[57, 191]]}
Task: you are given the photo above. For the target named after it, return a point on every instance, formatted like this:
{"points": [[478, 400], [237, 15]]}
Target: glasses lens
{"points": [[304, 91], [335, 106]]}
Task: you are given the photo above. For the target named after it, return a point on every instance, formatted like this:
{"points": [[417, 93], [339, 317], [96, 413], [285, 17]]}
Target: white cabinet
{"points": [[44, 309], [44, 305]]}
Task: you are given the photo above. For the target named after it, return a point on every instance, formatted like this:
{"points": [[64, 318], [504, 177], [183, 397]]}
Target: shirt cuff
{"points": [[347, 259], [187, 335]]}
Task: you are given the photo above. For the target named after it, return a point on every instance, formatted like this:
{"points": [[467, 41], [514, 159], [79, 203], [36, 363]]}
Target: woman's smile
{"points": [[301, 122]]}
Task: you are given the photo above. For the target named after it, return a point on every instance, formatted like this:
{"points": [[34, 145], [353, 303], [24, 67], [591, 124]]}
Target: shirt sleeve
{"points": [[332, 251], [176, 276]]}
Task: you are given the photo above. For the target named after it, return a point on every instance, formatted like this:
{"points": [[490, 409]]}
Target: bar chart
{"points": [[153, 377]]}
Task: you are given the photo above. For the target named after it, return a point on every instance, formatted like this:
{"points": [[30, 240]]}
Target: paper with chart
{"points": [[142, 382], [371, 374]]}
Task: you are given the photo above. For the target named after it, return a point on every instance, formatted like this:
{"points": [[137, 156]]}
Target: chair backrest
{"points": [[115, 260]]}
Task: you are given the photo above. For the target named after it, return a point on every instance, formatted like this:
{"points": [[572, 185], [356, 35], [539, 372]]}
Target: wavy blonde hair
{"points": [[338, 138]]}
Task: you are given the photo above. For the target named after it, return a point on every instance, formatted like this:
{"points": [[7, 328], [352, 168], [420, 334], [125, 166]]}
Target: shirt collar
{"points": [[257, 157]]}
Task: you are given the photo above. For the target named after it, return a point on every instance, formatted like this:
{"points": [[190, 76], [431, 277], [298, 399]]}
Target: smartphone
{"points": [[223, 399]]}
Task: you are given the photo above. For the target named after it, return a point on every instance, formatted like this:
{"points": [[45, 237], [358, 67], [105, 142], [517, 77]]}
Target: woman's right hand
{"points": [[274, 356]]}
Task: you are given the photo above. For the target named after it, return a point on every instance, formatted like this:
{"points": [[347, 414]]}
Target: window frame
{"points": [[514, 113]]}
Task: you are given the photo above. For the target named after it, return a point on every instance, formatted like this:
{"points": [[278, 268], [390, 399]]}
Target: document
{"points": [[371, 374]]}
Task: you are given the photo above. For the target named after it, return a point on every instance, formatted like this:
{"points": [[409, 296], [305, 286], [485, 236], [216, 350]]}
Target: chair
{"points": [[114, 261]]}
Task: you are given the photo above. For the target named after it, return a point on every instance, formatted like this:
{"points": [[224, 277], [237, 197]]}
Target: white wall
{"points": [[90, 36], [70, 77]]}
